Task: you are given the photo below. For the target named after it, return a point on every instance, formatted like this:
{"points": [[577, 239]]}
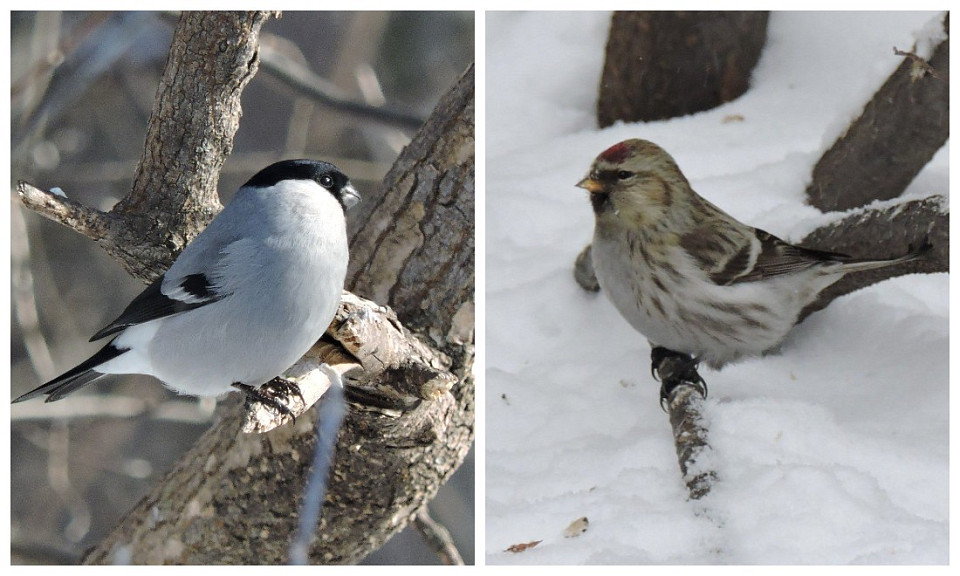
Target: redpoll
{"points": [[687, 275]]}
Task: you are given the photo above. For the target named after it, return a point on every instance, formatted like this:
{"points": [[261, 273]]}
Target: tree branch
{"points": [[420, 229], [88, 221], [391, 368], [437, 537], [684, 405], [880, 232], [303, 80]]}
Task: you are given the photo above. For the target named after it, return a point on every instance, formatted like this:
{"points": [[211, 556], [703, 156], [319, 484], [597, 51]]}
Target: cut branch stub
{"points": [[583, 271]]}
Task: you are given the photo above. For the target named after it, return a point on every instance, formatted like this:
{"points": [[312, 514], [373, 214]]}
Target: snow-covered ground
{"points": [[833, 451]]}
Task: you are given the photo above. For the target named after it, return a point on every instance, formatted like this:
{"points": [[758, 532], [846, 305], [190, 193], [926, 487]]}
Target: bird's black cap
{"points": [[323, 173], [297, 170]]}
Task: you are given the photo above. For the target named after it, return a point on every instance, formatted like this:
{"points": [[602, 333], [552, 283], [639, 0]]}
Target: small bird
{"points": [[244, 300], [688, 276]]}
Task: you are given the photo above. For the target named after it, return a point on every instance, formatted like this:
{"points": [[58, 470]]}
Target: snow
{"points": [[832, 451]]}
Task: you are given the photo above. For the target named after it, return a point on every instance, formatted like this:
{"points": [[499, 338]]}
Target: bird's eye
{"points": [[326, 181], [623, 174]]}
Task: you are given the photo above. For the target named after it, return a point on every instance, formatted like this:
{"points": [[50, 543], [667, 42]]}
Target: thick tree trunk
{"points": [[416, 249], [896, 135], [666, 64]]}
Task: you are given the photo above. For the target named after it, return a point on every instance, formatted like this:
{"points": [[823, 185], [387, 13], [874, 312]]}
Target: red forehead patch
{"points": [[616, 153]]}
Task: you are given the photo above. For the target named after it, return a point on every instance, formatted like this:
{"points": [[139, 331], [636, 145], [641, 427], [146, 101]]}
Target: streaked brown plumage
{"points": [[686, 274]]}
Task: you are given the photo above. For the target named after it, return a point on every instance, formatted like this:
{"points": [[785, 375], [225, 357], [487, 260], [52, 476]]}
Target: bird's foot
{"points": [[270, 393], [673, 369]]}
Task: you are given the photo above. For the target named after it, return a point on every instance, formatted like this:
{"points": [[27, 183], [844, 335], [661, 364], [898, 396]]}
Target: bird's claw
{"points": [[668, 386], [675, 369], [657, 355], [269, 393]]}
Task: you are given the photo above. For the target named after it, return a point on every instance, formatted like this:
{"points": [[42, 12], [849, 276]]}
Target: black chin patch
{"points": [[599, 200]]}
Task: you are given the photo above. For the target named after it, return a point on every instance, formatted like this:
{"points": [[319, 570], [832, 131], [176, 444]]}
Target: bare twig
{"points": [[919, 64], [303, 80], [24, 298], [437, 537], [88, 221]]}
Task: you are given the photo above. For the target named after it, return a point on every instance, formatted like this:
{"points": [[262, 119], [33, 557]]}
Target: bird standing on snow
{"points": [[244, 300], [688, 276]]}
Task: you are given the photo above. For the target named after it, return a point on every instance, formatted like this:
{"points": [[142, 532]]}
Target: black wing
{"points": [[76, 378], [196, 290]]}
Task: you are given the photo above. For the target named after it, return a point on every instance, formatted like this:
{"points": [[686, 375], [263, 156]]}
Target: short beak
{"points": [[590, 185], [349, 196]]}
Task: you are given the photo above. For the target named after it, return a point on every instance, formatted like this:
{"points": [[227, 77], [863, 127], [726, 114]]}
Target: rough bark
{"points": [[895, 136], [667, 64], [684, 406], [233, 498], [419, 233]]}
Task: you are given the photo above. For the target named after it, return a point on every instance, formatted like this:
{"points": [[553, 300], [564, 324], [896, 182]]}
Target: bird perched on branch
{"points": [[700, 285], [244, 300]]}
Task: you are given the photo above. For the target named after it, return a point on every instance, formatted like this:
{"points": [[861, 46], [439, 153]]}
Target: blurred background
{"points": [[82, 90]]}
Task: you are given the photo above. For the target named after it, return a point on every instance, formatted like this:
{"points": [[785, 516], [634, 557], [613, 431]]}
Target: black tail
{"points": [[76, 378]]}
